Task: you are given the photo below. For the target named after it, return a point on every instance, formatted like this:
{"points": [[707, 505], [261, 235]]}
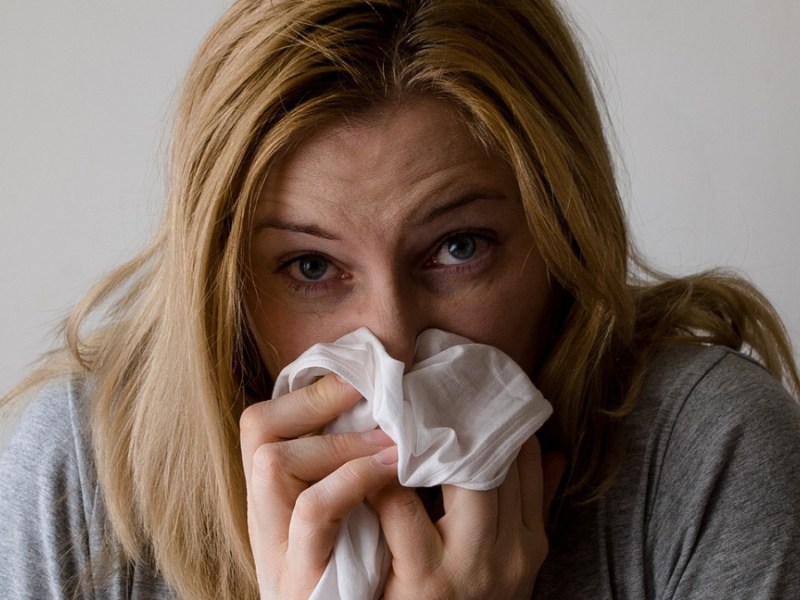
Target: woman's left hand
{"points": [[487, 545]]}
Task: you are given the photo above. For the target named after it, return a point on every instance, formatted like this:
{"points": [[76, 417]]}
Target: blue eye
{"points": [[461, 247], [310, 270], [312, 267]]}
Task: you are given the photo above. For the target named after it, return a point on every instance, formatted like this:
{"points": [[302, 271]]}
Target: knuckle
{"points": [[533, 547], [321, 501], [252, 420], [478, 575], [540, 550], [310, 507], [352, 477], [482, 579], [520, 565], [442, 588], [268, 461]]}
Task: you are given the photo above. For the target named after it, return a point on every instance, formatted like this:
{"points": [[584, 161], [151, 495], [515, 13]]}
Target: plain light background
{"points": [[702, 97]]}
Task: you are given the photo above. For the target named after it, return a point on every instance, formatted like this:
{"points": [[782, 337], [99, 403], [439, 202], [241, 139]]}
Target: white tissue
{"points": [[458, 417]]}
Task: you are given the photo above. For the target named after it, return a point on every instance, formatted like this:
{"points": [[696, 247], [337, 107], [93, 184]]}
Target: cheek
{"points": [[282, 333], [512, 315], [518, 327]]}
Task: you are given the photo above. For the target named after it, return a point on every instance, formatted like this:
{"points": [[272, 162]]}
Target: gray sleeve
{"points": [[55, 541], [726, 523], [46, 498]]}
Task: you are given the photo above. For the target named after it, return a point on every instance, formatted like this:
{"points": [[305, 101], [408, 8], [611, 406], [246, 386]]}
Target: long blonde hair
{"points": [[173, 364]]}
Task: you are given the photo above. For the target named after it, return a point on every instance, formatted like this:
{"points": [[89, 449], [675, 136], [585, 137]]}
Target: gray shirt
{"points": [[54, 537], [705, 505]]}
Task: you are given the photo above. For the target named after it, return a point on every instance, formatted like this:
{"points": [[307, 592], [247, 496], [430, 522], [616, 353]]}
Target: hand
{"points": [[487, 545], [299, 485]]}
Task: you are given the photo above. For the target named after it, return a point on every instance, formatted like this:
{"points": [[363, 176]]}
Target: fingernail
{"points": [[378, 437], [387, 456]]}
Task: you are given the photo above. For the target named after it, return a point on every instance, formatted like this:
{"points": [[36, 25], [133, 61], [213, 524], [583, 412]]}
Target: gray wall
{"points": [[703, 97]]}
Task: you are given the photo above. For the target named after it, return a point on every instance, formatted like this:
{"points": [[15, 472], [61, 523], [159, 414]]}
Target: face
{"points": [[399, 222]]}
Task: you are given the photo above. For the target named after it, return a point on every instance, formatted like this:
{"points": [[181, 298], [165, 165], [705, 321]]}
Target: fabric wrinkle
{"points": [[458, 416]]}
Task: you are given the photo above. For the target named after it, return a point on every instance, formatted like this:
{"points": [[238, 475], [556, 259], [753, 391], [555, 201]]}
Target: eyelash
{"points": [[306, 287], [485, 239]]}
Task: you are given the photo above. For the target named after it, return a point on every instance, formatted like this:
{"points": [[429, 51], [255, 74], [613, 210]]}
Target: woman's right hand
{"points": [[300, 484]]}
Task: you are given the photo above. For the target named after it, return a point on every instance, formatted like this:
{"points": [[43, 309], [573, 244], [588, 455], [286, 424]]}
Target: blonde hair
{"points": [[173, 365]]}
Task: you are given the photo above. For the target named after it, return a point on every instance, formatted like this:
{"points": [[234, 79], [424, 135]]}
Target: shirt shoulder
{"points": [[46, 495], [704, 379], [719, 438], [55, 541], [704, 504]]}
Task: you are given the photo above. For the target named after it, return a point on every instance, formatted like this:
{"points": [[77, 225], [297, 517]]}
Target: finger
{"points": [[320, 508], [553, 466], [470, 518], [282, 471], [271, 495], [529, 470], [310, 408], [293, 415], [310, 459], [413, 540], [509, 500]]}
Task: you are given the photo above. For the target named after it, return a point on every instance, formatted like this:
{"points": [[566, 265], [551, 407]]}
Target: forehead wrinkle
{"points": [[434, 195], [350, 167]]}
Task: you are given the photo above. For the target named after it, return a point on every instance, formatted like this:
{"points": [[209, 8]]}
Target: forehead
{"points": [[397, 157]]}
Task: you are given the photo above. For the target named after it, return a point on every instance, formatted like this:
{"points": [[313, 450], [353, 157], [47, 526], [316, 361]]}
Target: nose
{"points": [[395, 313]]}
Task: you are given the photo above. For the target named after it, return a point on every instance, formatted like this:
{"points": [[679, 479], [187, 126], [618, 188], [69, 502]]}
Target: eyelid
{"points": [[486, 236], [287, 263], [288, 259], [311, 288]]}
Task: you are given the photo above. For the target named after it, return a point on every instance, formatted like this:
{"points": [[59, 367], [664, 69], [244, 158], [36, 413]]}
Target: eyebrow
{"points": [[456, 203], [296, 228], [434, 213]]}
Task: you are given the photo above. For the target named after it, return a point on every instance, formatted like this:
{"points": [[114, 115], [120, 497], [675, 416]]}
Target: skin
{"points": [[398, 221]]}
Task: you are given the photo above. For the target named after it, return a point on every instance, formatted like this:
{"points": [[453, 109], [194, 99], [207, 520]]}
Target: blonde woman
{"points": [[400, 165]]}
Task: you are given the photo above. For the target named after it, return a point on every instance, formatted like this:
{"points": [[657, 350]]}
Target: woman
{"points": [[401, 165]]}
